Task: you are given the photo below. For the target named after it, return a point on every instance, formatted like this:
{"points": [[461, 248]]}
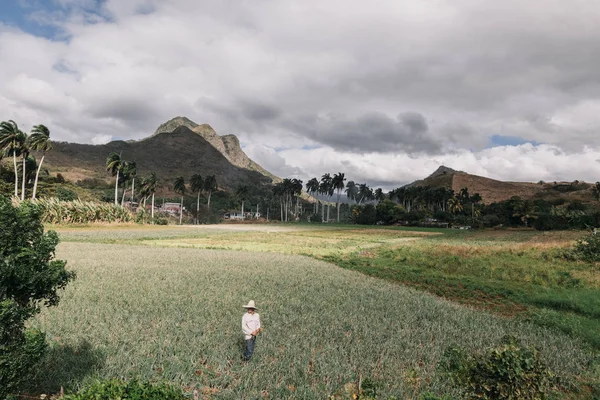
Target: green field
{"points": [[164, 303]]}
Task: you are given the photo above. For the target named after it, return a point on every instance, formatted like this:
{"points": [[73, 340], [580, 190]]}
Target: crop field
{"points": [[164, 303]]}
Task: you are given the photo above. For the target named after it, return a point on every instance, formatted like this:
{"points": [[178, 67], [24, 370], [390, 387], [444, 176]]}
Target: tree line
{"points": [[16, 143]]}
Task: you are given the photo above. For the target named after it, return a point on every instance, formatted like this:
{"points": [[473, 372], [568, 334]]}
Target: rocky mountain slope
{"points": [[185, 150], [228, 145]]}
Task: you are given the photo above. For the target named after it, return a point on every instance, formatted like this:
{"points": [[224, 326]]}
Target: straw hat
{"points": [[250, 305]]}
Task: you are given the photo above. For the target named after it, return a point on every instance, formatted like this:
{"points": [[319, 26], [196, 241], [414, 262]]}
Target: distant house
{"points": [[171, 208], [239, 215]]}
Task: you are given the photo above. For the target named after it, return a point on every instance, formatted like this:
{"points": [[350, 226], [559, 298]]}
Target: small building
{"points": [[240, 216], [171, 208]]}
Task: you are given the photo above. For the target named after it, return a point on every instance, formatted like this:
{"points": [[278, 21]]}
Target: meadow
{"points": [[164, 303]]}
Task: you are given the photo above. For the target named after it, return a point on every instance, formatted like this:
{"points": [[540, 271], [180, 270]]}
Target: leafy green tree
{"points": [[179, 187], [39, 140], [114, 164], [197, 186], [30, 278], [12, 141]]}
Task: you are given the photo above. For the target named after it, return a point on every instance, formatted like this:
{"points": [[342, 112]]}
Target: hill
{"points": [[179, 152], [492, 190]]}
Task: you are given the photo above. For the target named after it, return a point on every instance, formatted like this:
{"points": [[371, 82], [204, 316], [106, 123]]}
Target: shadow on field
{"points": [[65, 366]]}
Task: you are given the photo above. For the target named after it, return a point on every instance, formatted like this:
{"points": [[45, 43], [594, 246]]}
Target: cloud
{"points": [[101, 139], [404, 81], [524, 162]]}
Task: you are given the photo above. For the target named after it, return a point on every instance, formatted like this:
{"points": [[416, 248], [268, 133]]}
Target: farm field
{"points": [[164, 303]]}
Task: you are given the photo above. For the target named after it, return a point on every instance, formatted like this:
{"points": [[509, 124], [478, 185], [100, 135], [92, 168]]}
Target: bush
{"points": [[364, 214], [65, 194], [389, 212], [588, 248], [29, 278], [133, 390], [510, 371]]}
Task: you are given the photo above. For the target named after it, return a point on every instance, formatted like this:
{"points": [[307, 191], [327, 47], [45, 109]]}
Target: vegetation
{"points": [[55, 211], [510, 371], [172, 314], [29, 279], [134, 390]]}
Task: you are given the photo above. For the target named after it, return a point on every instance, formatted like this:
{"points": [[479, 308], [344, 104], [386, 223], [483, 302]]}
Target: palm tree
{"points": [[454, 205], [12, 141], [179, 187], [39, 140], [129, 171], [149, 188], [242, 194], [312, 187], [132, 174], [379, 195], [337, 183], [210, 185], [24, 155], [351, 190], [197, 186], [364, 193], [326, 188], [30, 166], [114, 164]]}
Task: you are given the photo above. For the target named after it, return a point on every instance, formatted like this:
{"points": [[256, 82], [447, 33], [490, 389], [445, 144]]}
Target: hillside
{"points": [[492, 190], [181, 152]]}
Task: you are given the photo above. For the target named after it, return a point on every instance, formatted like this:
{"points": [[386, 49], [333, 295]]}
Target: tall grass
{"points": [[55, 211], [174, 314]]}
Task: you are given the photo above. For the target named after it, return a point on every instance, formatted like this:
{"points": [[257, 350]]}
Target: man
{"points": [[250, 328]]}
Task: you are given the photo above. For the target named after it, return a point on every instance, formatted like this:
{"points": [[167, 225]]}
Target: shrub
{"points": [[29, 278], [510, 371], [65, 194], [132, 390], [588, 248]]}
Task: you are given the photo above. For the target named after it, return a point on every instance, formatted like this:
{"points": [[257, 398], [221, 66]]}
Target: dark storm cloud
{"points": [[375, 132], [127, 110], [258, 111]]}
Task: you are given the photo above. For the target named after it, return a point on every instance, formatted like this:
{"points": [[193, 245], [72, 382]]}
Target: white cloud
{"points": [[101, 139], [525, 162], [291, 75]]}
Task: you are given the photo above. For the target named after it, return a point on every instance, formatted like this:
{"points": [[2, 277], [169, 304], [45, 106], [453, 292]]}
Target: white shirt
{"points": [[250, 323]]}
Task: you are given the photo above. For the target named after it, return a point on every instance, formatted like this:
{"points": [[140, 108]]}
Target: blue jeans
{"points": [[249, 348]]}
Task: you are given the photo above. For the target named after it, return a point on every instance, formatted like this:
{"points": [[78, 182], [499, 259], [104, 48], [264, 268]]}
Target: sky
{"points": [[384, 91]]}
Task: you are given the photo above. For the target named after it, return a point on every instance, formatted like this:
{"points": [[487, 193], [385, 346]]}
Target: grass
{"points": [[164, 303], [174, 314]]}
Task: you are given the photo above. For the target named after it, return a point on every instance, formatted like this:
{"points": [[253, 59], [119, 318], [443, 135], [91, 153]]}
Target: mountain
{"points": [[492, 190], [179, 147], [228, 145]]}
